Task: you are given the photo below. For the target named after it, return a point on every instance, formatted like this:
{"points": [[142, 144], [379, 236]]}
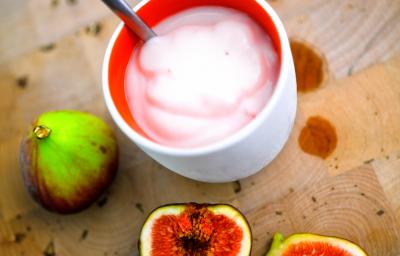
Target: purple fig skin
{"points": [[68, 187]]}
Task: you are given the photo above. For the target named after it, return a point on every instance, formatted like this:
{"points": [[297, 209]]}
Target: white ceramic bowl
{"points": [[238, 156]]}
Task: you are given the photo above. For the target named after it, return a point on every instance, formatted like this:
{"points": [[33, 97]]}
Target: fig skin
{"points": [[69, 161]]}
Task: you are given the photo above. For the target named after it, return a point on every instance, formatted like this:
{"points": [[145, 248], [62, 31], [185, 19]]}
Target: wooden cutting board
{"points": [[50, 58]]}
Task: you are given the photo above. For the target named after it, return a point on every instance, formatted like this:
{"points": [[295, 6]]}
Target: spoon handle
{"points": [[130, 18]]}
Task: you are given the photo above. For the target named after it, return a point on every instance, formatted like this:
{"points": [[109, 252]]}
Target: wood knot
{"points": [[318, 137], [309, 66]]}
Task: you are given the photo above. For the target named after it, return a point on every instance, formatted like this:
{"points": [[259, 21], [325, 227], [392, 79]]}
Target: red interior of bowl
{"points": [[152, 13]]}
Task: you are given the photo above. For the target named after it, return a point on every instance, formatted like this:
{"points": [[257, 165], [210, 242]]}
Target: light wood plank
{"points": [[364, 108]]}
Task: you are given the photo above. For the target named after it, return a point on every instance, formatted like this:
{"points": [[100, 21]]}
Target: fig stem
{"points": [[41, 132]]}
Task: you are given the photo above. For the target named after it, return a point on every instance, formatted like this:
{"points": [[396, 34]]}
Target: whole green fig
{"points": [[68, 159]]}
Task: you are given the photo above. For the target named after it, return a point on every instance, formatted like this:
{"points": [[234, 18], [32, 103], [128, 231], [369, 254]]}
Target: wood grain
{"points": [[352, 105], [38, 23], [352, 34], [50, 58], [387, 170], [354, 199]]}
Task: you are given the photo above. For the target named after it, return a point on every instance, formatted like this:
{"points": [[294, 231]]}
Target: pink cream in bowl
{"points": [[208, 74]]}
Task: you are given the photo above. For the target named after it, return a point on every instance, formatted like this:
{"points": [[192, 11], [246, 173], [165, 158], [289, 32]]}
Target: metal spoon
{"points": [[130, 18]]}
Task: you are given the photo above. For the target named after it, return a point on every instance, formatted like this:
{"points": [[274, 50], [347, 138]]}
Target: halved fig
{"points": [[310, 245], [195, 229]]}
